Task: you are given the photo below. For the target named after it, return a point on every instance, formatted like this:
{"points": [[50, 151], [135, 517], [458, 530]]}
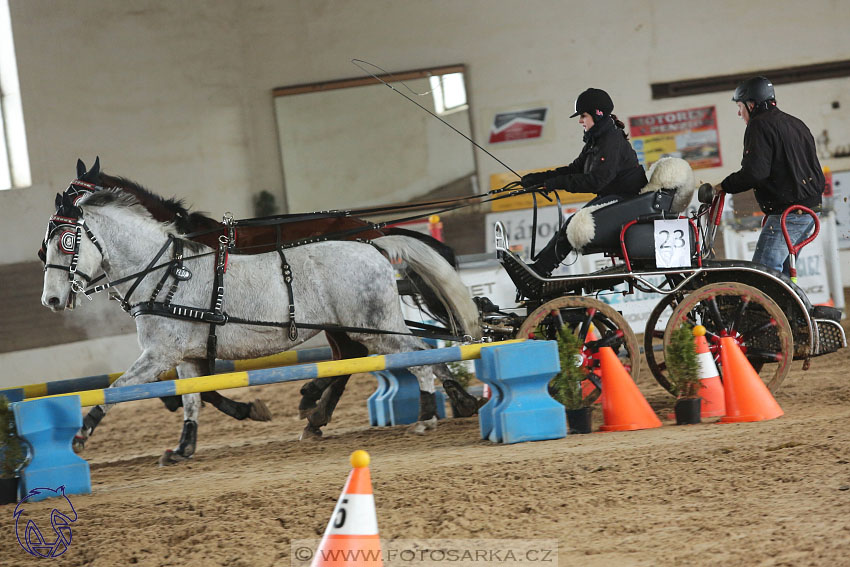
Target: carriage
{"points": [[768, 315]]}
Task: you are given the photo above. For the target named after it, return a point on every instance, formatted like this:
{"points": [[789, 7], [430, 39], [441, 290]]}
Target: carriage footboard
{"points": [[830, 336]]}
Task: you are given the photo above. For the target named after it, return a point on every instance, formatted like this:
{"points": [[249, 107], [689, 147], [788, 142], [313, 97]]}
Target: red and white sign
{"points": [[518, 125]]}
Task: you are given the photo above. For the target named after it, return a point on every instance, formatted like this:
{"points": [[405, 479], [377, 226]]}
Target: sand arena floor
{"points": [[758, 494]]}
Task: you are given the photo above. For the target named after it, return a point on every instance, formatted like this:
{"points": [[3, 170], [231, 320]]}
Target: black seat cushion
{"points": [[609, 220]]}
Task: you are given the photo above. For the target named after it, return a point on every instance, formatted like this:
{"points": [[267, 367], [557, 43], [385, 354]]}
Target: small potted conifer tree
{"points": [[566, 386], [683, 373], [11, 454]]}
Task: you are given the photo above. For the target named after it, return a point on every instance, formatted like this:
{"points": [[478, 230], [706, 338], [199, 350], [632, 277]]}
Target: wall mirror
{"points": [[355, 143]]}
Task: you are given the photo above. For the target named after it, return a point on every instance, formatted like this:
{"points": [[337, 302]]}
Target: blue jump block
{"points": [[396, 400], [49, 426], [487, 412], [520, 408]]}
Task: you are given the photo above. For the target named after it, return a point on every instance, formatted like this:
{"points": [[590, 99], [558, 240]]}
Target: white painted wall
{"points": [[349, 148], [177, 95]]}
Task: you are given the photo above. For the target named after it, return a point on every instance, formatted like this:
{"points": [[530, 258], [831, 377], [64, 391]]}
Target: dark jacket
{"points": [[780, 163], [607, 165]]}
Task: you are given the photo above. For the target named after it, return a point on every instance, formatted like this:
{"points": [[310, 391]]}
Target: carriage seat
{"points": [[671, 186]]}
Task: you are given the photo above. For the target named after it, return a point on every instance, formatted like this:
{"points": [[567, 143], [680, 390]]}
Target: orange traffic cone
{"points": [[351, 537], [623, 406], [711, 392], [747, 398]]}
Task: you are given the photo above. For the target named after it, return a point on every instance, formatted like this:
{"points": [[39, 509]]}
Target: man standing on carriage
{"points": [[781, 165], [607, 166]]}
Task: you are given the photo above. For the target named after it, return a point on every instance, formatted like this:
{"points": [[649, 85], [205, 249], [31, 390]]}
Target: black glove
{"points": [[533, 179], [552, 184]]}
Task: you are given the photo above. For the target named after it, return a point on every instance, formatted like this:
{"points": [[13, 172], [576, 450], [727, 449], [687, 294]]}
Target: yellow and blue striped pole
{"points": [[281, 374], [72, 385]]}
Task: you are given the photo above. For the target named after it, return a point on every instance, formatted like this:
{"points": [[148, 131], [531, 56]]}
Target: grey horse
{"points": [[344, 285]]}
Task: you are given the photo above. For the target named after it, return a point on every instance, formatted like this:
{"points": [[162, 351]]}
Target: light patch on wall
{"points": [[14, 160]]}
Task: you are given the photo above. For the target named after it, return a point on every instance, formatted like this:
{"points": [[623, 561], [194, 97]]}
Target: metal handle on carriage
{"points": [[500, 236], [795, 250], [714, 220]]}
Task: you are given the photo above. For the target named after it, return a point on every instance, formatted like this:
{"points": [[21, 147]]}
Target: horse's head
{"points": [[85, 183], [72, 255]]}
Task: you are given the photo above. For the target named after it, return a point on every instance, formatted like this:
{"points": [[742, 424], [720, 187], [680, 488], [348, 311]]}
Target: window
{"points": [[449, 92], [14, 161]]}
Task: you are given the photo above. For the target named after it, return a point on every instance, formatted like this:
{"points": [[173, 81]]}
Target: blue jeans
{"points": [[771, 250]]}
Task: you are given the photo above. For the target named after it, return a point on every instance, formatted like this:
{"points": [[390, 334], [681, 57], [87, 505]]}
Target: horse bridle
{"points": [[69, 220]]}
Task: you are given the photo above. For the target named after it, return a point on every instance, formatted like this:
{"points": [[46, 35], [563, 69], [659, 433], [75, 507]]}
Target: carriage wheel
{"points": [[579, 313], [756, 322], [653, 338]]}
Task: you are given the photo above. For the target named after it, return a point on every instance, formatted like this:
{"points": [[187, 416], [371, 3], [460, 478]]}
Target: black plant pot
{"points": [[8, 490], [580, 420], [688, 411]]}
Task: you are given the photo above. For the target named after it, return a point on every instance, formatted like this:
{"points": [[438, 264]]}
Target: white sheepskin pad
{"points": [[673, 173], [582, 227]]}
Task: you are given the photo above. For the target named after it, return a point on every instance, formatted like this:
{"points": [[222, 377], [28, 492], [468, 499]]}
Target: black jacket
{"points": [[607, 165], [780, 163]]}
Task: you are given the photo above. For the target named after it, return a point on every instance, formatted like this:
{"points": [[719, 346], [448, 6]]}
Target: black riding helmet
{"points": [[756, 89], [595, 102]]}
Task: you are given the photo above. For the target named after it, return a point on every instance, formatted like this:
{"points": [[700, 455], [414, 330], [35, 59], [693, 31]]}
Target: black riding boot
{"points": [[553, 254]]}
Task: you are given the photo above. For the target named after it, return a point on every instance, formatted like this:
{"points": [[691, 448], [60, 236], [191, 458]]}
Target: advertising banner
{"points": [[688, 134]]}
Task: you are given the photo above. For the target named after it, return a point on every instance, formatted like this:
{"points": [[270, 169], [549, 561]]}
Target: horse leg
{"points": [[256, 410], [463, 403], [427, 401], [312, 391], [191, 408], [343, 347], [143, 370], [321, 416]]}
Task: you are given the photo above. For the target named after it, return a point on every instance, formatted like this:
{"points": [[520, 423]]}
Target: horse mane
{"points": [[118, 197], [114, 196], [161, 208]]}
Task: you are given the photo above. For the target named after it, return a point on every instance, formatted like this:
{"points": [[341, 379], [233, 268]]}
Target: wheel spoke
{"points": [[739, 314], [585, 325], [759, 330], [764, 355], [714, 311]]}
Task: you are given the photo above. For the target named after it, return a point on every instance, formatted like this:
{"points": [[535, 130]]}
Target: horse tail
{"points": [[437, 274]]}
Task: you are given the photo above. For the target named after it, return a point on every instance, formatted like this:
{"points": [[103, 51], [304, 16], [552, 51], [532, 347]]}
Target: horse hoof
{"points": [[422, 427], [468, 406], [171, 458], [305, 408], [79, 443], [311, 433], [259, 411]]}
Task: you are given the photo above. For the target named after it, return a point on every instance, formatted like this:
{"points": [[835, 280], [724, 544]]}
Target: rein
{"points": [[78, 189], [510, 188], [215, 315]]}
